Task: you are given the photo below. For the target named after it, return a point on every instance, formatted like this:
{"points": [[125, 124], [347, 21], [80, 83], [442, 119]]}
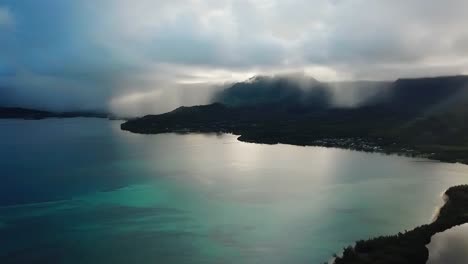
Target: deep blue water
{"points": [[83, 191]]}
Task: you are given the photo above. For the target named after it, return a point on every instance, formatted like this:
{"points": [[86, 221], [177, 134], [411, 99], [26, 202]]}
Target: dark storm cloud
{"points": [[148, 56]]}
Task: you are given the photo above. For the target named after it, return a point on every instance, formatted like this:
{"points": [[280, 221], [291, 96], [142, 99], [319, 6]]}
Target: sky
{"points": [[133, 57]]}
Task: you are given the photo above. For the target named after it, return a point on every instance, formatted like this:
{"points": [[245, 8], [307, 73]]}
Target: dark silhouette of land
{"points": [[25, 113], [410, 246], [424, 117]]}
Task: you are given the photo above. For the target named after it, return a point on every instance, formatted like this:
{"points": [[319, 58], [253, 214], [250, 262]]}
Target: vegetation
{"points": [[410, 246]]}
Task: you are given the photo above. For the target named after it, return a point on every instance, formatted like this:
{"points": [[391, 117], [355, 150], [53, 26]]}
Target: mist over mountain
{"points": [[411, 95], [301, 91], [423, 93], [138, 57], [427, 115], [277, 90]]}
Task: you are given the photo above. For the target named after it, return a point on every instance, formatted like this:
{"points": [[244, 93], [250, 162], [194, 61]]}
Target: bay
{"points": [[83, 191]]}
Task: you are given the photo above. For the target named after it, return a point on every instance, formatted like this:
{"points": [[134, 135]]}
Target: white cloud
{"points": [[116, 48], [257, 33]]}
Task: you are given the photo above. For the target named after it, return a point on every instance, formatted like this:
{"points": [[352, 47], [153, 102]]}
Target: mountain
{"points": [[418, 117], [279, 91], [417, 95], [299, 91]]}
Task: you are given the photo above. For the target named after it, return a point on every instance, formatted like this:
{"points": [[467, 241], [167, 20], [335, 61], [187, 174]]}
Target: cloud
{"points": [[93, 54]]}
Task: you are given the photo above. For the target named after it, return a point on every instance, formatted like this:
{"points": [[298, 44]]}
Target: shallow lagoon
{"points": [[83, 191]]}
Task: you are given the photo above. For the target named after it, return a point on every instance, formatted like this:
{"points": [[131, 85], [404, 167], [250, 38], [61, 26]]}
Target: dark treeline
{"points": [[410, 246]]}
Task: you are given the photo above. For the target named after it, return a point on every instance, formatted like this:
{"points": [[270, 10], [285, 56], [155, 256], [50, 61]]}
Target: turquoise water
{"points": [[83, 191]]}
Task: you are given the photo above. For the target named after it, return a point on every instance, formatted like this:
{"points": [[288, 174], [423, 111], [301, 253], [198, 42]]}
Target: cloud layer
{"points": [[149, 56]]}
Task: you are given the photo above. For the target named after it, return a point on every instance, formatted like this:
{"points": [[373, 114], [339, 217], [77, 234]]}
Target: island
{"points": [[413, 117], [410, 246], [34, 114]]}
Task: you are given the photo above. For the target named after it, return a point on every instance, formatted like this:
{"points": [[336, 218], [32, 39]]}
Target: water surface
{"points": [[449, 246], [83, 191]]}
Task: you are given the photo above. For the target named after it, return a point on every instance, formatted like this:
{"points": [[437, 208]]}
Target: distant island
{"points": [[32, 114], [410, 246], [424, 117]]}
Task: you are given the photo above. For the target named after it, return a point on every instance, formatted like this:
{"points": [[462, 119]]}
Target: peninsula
{"points": [[410, 246]]}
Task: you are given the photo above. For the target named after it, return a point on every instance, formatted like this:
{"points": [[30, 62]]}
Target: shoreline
{"points": [[434, 218], [368, 146], [436, 213], [410, 246], [350, 143]]}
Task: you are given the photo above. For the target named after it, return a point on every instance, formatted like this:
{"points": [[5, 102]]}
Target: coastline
{"points": [[410, 246], [359, 144], [356, 143], [389, 147], [436, 213]]}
